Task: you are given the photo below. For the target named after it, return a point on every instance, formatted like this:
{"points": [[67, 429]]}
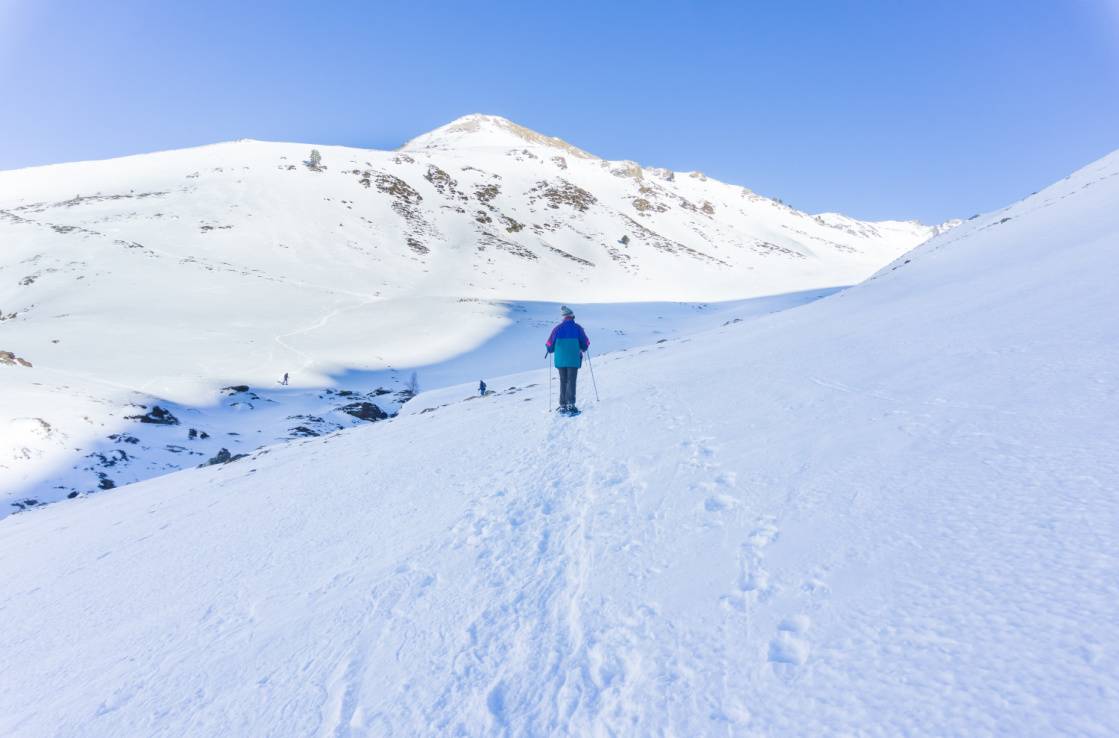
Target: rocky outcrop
{"points": [[563, 193], [223, 457], [10, 359], [364, 411], [156, 416]]}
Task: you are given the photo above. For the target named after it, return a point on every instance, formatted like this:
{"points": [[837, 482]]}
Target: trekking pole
{"points": [[548, 369], [593, 383]]}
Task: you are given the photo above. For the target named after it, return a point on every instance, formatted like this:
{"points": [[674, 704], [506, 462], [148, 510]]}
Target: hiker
{"points": [[568, 342], [481, 388], [284, 381]]}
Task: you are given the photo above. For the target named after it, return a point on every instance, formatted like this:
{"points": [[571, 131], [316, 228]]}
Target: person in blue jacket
{"points": [[568, 342]]}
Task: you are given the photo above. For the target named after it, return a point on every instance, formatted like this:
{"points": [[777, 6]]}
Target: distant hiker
{"points": [[284, 381], [481, 388], [568, 342]]}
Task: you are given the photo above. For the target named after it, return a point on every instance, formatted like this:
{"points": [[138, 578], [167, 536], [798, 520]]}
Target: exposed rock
{"points": [[629, 169], [7, 357], [443, 182], [566, 255], [398, 188], [767, 248], [111, 459], [124, 438], [487, 193], [157, 415], [234, 389], [364, 411], [661, 243], [488, 239], [223, 457], [564, 193]]}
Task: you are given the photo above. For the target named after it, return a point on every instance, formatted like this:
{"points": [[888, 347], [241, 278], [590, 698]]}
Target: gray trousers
{"points": [[568, 375]]}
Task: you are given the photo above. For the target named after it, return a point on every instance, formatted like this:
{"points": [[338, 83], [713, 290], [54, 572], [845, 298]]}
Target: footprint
{"points": [[791, 644], [726, 479], [798, 624], [786, 648], [752, 577], [763, 535], [702, 454], [719, 503]]}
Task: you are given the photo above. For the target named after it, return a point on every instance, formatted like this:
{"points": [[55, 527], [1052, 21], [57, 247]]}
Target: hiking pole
{"points": [[593, 383], [548, 369]]}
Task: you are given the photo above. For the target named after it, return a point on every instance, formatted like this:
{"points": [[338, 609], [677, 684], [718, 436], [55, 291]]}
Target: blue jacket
{"points": [[568, 342]]}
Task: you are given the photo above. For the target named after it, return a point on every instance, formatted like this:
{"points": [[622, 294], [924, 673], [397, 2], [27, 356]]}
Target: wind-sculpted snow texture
{"points": [[159, 279], [889, 512]]}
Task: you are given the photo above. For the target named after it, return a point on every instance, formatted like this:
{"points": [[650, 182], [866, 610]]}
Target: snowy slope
{"points": [[889, 512], [157, 280]]}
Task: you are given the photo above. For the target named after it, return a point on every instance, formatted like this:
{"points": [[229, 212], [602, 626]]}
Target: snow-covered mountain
{"points": [[148, 284], [888, 512]]}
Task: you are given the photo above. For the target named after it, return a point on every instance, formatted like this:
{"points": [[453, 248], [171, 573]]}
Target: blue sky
{"points": [[891, 109]]}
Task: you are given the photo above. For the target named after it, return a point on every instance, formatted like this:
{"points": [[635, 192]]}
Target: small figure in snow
{"points": [[568, 342], [481, 388], [284, 381]]}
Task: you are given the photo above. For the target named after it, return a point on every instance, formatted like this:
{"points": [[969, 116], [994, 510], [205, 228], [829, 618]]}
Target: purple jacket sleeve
{"points": [[551, 343], [584, 342]]}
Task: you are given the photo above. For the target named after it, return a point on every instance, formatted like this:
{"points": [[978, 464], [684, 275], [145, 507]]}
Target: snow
{"points": [[891, 511], [159, 279]]}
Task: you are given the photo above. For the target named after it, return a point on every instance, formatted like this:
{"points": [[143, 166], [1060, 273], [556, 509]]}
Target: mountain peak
{"points": [[479, 130]]}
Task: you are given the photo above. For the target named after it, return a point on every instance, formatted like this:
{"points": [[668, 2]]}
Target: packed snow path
{"points": [[708, 573], [890, 512]]}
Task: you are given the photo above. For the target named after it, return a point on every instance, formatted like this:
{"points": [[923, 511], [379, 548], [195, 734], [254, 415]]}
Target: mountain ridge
{"points": [[160, 279]]}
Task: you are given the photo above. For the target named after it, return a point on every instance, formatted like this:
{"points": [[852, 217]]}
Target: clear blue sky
{"points": [[890, 109]]}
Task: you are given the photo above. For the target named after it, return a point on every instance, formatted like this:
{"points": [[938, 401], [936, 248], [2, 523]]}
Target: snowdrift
{"points": [[890, 512]]}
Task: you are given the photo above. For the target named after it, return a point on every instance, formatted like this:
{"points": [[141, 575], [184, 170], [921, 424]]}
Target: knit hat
{"points": [[565, 311]]}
